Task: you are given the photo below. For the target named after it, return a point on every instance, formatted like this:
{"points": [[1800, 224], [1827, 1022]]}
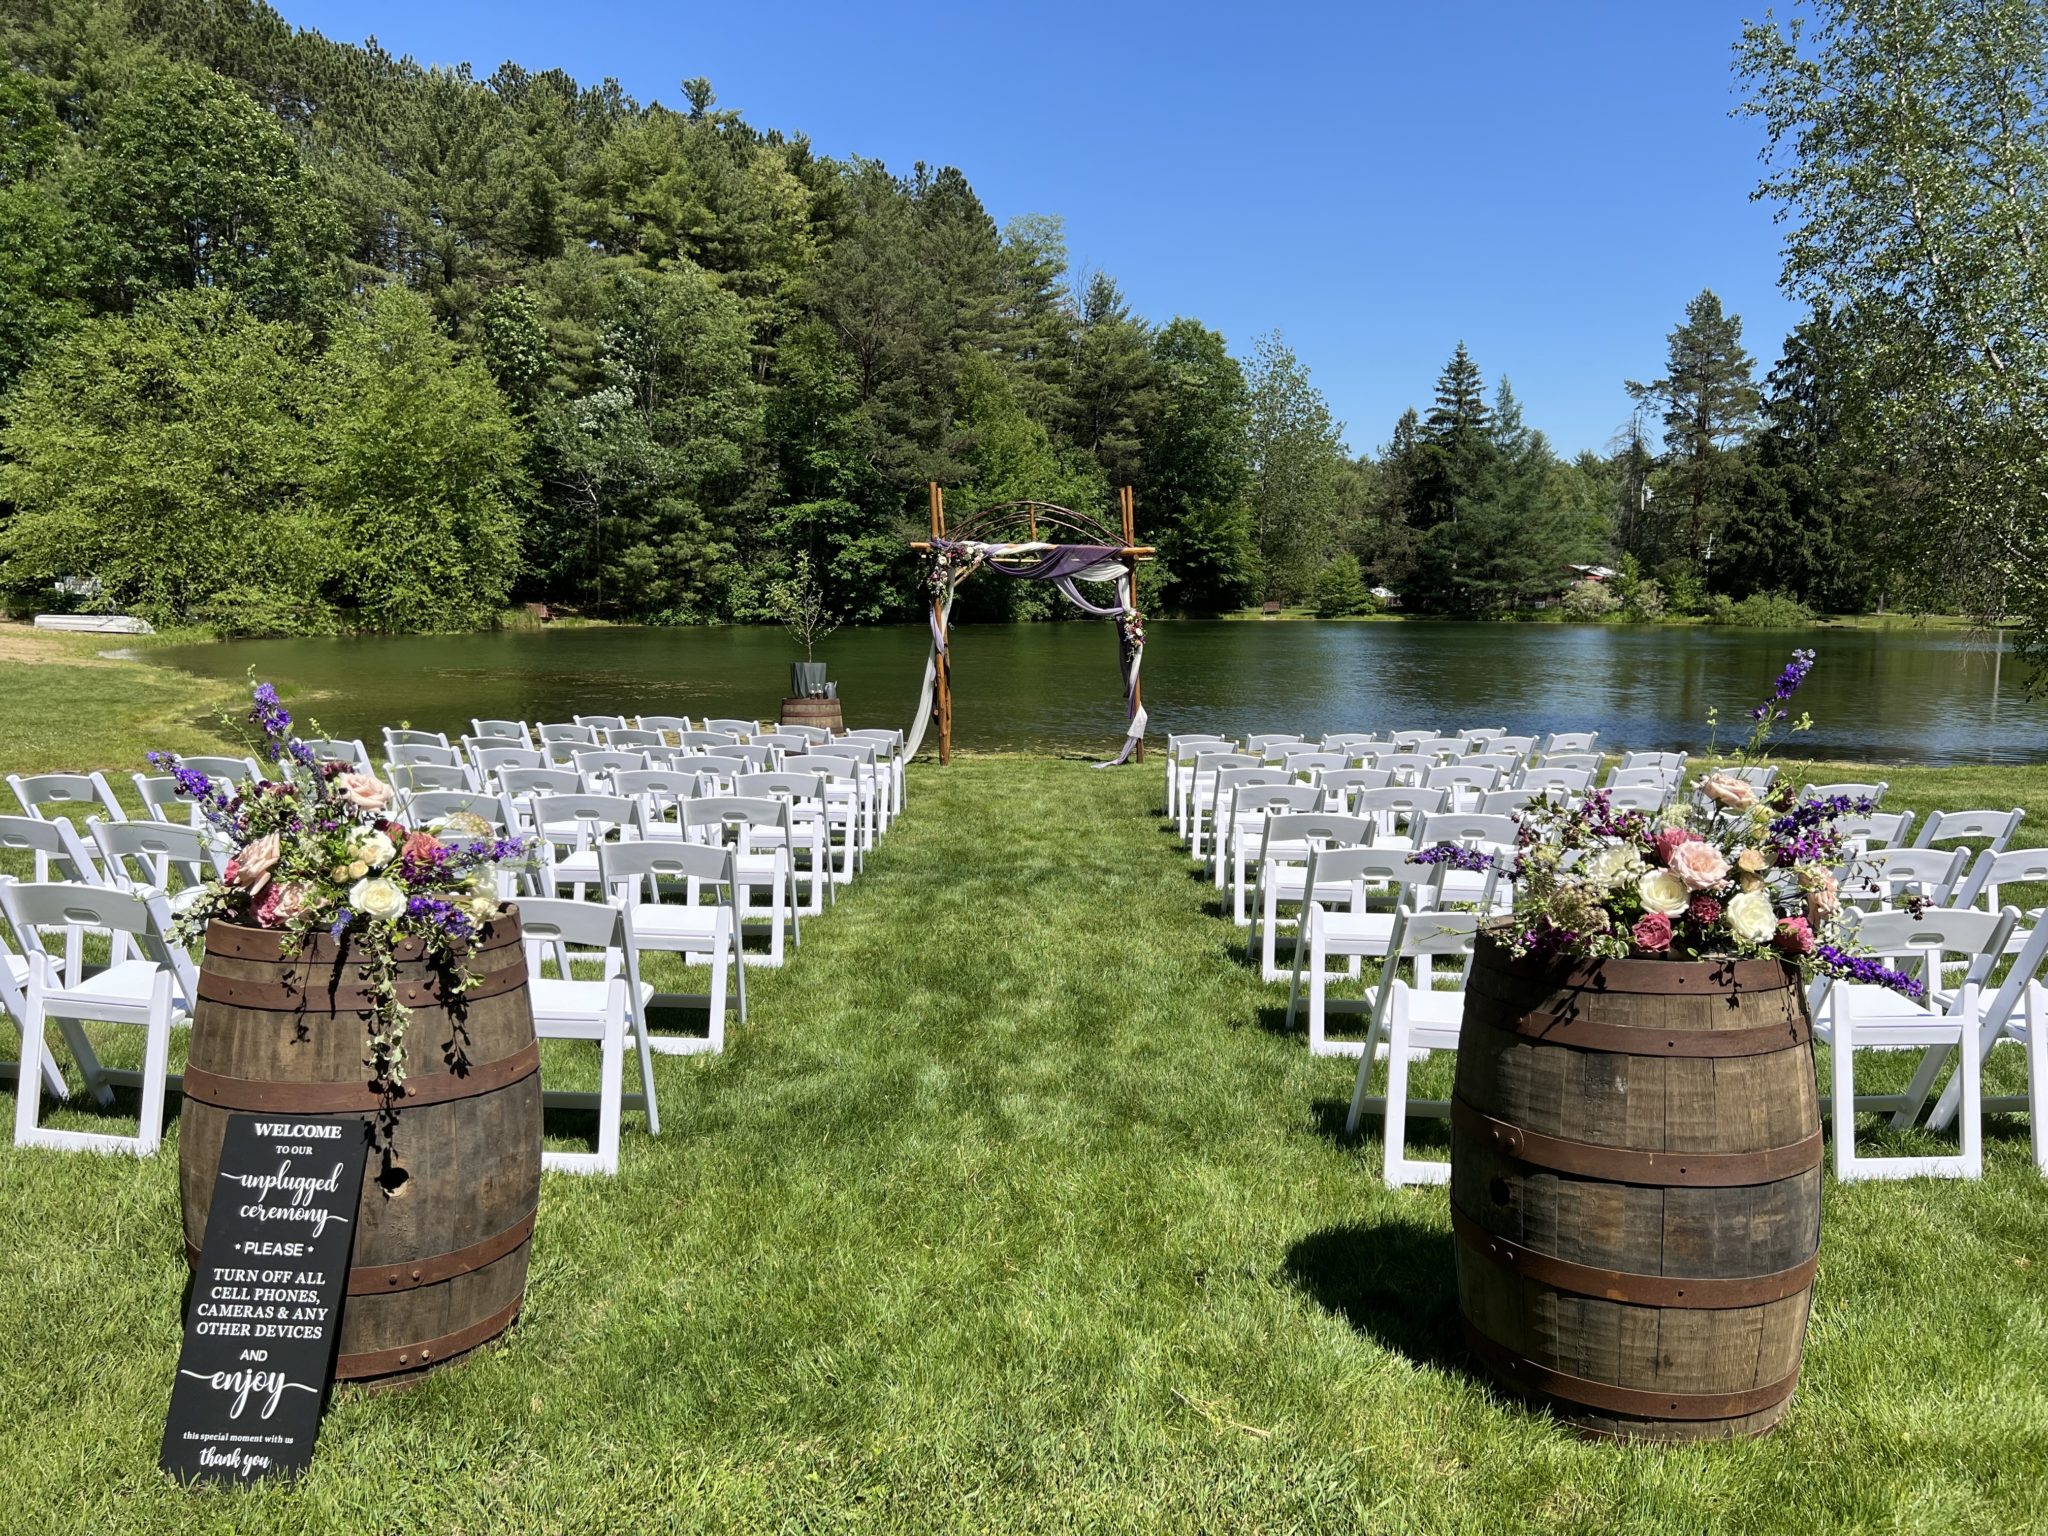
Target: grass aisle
{"points": [[1011, 1209]]}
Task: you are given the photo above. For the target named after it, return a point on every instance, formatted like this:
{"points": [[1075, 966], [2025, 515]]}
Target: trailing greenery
{"points": [[1013, 1208]]}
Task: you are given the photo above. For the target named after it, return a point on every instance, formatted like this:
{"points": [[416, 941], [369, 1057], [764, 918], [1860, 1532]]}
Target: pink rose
{"points": [[268, 911], [1795, 936], [1669, 841], [251, 868], [1725, 788], [1652, 932], [364, 791], [420, 847], [1823, 894], [1699, 865]]}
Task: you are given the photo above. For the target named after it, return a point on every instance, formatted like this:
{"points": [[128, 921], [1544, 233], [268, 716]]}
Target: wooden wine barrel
{"points": [[446, 1218], [819, 712], [1635, 1189]]}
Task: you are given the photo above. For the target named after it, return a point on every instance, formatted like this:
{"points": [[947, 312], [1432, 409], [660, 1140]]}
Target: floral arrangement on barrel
{"points": [[320, 849], [1732, 870]]}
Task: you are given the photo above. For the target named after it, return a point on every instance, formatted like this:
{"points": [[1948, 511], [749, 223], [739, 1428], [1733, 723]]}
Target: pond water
{"points": [[1928, 696]]}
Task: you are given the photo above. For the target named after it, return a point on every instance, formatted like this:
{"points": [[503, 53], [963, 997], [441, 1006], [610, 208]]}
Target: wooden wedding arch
{"points": [[1033, 541]]}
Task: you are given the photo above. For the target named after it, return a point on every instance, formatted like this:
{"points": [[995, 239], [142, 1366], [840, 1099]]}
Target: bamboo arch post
{"points": [[942, 696]]}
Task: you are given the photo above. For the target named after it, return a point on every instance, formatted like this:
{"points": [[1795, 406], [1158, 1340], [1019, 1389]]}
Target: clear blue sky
{"points": [[1550, 181]]}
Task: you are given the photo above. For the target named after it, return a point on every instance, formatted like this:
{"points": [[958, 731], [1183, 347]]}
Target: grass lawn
{"points": [[1010, 1209]]}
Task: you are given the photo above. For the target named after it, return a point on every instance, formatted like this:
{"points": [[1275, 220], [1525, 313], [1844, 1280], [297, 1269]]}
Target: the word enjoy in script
{"points": [[269, 1385]]}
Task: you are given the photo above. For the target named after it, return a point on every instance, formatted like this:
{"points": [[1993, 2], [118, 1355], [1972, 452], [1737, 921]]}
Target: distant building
{"points": [[1594, 572], [1386, 597]]}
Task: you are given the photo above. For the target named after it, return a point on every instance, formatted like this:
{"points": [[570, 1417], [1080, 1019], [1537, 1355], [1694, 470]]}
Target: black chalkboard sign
{"points": [[266, 1300]]}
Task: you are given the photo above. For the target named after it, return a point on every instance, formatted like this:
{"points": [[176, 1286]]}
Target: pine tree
{"points": [[1709, 404], [1455, 442]]}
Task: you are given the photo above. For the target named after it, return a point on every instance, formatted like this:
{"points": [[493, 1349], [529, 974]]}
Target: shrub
{"points": [[249, 610], [1587, 601], [1770, 610], [1644, 603]]}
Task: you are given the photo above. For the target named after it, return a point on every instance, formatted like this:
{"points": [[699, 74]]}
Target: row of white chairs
{"points": [[653, 860], [1336, 842]]}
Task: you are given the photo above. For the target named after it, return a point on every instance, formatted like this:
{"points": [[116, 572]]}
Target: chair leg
{"points": [[156, 1067], [1394, 1153], [2037, 1073], [721, 943], [739, 969], [35, 1059], [611, 1086], [1294, 987], [1971, 1065], [1318, 983], [1843, 1074]]}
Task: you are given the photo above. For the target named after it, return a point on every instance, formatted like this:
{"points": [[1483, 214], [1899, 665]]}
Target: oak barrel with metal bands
{"points": [[826, 714], [1635, 1189], [446, 1219]]}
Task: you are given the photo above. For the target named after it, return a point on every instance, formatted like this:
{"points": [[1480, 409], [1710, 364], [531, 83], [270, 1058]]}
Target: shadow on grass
{"points": [[1391, 1280], [1429, 1136]]}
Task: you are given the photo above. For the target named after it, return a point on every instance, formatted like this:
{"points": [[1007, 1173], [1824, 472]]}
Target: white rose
{"points": [[1662, 891], [372, 848], [377, 898], [1612, 866], [1751, 918]]}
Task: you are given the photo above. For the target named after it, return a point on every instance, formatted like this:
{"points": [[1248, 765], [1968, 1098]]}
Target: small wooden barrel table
{"points": [[824, 713], [446, 1218], [1635, 1189]]}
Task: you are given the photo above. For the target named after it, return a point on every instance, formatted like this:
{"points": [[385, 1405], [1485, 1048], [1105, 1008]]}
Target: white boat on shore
{"points": [[94, 623]]}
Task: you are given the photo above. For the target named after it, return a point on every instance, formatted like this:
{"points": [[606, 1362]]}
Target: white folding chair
{"points": [[1353, 930], [339, 749], [511, 730], [1571, 741], [741, 730], [809, 830], [1180, 755], [702, 926], [1992, 872], [38, 792], [1200, 798], [1851, 1016], [1411, 1021], [13, 1003], [55, 846], [155, 855], [1854, 792], [140, 985], [1994, 829], [1252, 806], [1888, 877], [729, 821], [601, 1009], [1212, 828], [571, 829], [2016, 1012], [1395, 810], [406, 736], [1287, 843]]}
